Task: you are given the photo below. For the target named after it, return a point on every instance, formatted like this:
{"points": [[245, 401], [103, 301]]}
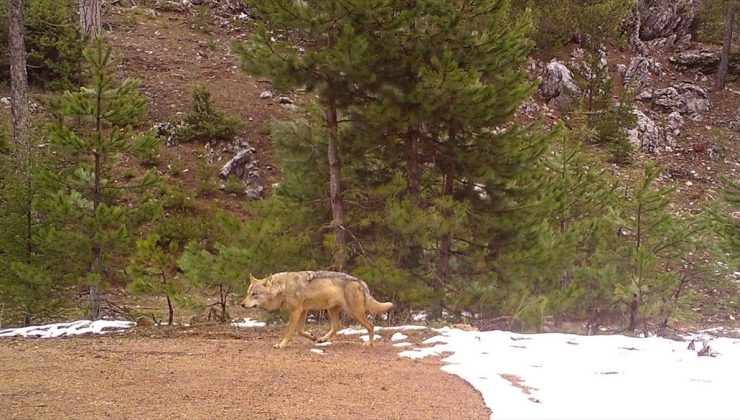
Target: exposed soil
{"points": [[224, 372]]}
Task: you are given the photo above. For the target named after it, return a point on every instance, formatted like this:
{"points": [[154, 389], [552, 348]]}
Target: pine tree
{"points": [[152, 269], [94, 127], [204, 121], [53, 44], [332, 60], [724, 221], [441, 121], [656, 243], [609, 121]]}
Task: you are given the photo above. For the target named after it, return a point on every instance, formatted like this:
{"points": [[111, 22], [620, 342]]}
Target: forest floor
{"points": [[224, 372]]}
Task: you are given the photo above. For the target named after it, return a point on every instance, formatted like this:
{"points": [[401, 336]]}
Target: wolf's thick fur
{"points": [[301, 291]]}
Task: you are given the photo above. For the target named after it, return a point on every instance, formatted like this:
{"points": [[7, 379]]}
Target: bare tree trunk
{"points": [[412, 165], [335, 187], [96, 262], [444, 268], [411, 258], [89, 11], [23, 149], [726, 44], [634, 312]]}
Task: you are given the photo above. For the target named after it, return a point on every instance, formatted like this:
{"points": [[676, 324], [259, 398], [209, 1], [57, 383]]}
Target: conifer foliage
{"points": [[92, 130]]}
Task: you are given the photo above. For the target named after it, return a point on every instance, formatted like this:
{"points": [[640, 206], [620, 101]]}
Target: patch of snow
{"points": [[365, 338], [564, 376], [354, 331], [351, 331], [247, 323], [420, 316], [317, 351], [67, 329], [399, 336], [324, 344], [403, 344]]}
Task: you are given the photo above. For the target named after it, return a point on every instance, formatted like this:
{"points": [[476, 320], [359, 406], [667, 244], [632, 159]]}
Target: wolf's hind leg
{"points": [[334, 321], [359, 315], [302, 327]]}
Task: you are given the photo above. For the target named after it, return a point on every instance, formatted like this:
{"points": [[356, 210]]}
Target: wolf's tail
{"points": [[375, 307]]}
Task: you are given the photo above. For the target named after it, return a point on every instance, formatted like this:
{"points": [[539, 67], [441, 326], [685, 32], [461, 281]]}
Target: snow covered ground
{"points": [[554, 376], [66, 329], [562, 376], [247, 323]]}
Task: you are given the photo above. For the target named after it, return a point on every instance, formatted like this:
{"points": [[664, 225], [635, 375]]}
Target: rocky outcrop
{"points": [[685, 98], [666, 18], [557, 83], [706, 62], [647, 135], [639, 72], [243, 166], [660, 25]]}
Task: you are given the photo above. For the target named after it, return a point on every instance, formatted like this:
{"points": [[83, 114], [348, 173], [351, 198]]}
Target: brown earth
{"points": [[223, 372]]}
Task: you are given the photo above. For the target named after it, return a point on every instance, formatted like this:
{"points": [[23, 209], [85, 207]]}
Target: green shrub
{"points": [[205, 182], [556, 22], [204, 122], [53, 44], [233, 186]]}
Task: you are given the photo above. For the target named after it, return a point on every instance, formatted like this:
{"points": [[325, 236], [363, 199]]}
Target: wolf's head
{"points": [[264, 293]]}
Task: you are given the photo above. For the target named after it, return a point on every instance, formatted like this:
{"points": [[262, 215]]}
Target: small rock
{"points": [[266, 95]]}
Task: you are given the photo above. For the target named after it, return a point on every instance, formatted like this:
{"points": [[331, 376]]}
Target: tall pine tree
{"points": [[92, 130], [332, 60]]}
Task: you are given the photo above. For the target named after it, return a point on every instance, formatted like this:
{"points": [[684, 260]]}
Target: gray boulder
{"points": [[557, 83], [243, 166], [647, 135], [685, 98], [666, 18], [706, 62], [638, 73]]}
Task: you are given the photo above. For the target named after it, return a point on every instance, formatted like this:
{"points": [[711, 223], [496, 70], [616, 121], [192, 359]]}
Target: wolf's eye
{"points": [[254, 294]]}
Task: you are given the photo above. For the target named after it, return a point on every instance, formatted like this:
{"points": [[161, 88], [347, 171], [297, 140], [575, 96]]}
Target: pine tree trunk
{"points": [[412, 166], [335, 187], [634, 308], [89, 11], [170, 310], [411, 259], [23, 148], [726, 44], [95, 264], [444, 268]]}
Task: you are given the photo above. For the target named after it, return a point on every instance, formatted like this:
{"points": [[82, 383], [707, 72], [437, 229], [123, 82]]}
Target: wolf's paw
{"points": [[368, 343], [279, 345]]}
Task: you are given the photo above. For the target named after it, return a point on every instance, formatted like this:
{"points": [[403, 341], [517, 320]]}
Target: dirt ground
{"points": [[227, 373]]}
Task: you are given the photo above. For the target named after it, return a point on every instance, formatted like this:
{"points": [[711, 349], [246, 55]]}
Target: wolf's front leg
{"points": [[295, 319]]}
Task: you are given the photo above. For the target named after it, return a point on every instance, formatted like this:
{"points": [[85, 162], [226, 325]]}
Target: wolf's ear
{"points": [[252, 279]]}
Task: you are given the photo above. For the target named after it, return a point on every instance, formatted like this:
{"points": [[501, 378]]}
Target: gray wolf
{"points": [[301, 291]]}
